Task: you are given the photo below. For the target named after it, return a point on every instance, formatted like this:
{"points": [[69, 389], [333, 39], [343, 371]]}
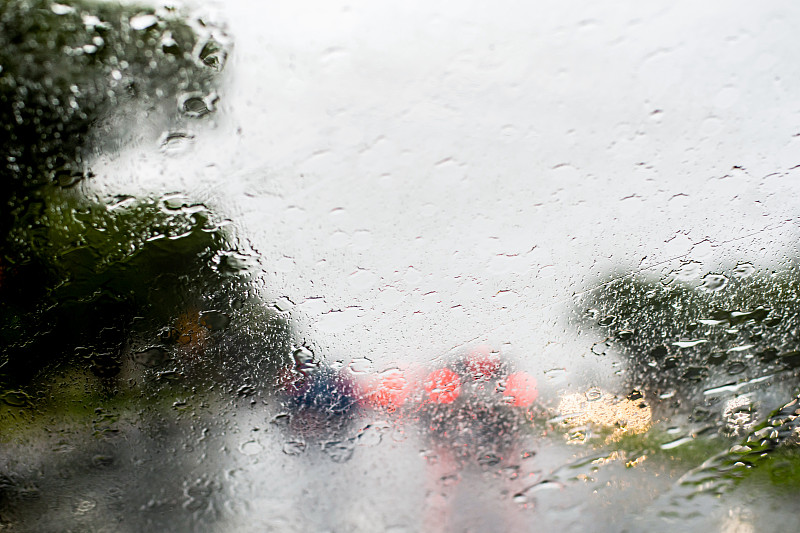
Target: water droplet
{"points": [[283, 304], [84, 506], [602, 347], [176, 142], [714, 282], [142, 22], [686, 272], [696, 373], [370, 436], [689, 343], [294, 447], [520, 498], [635, 395], [625, 334], [61, 9], [151, 357], [717, 357], [214, 320], [197, 105], [362, 365], [200, 489], [16, 398], [340, 451], [232, 263], [607, 321], [194, 107], [169, 375], [670, 362], [740, 317], [736, 367], [523, 497], [743, 270], [282, 420], [556, 374], [594, 394], [742, 348], [251, 447], [676, 443], [304, 358], [66, 178], [246, 390], [212, 54], [488, 460], [169, 45]]}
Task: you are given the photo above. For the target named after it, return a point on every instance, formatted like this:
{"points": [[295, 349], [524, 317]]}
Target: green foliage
{"points": [[676, 336], [655, 445], [780, 470], [680, 341], [75, 271], [769, 451], [96, 267], [120, 246]]}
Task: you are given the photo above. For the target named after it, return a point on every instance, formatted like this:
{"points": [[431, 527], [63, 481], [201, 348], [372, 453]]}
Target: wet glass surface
{"points": [[330, 266]]}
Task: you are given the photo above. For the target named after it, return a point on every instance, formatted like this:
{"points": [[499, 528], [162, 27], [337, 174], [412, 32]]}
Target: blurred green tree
{"points": [[78, 272]]}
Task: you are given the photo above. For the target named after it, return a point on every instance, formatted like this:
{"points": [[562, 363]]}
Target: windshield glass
{"points": [[359, 266]]}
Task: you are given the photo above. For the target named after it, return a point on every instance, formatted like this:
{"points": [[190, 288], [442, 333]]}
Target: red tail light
{"points": [[443, 386], [521, 389]]}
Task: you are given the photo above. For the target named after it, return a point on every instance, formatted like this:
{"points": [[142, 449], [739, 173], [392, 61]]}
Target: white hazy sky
{"points": [[420, 175]]}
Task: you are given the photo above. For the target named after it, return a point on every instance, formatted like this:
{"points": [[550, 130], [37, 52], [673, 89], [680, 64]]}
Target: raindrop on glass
{"points": [[713, 282], [142, 22]]}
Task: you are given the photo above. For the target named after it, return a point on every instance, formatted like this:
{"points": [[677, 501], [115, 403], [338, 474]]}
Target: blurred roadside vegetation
{"points": [[717, 358], [111, 288]]}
